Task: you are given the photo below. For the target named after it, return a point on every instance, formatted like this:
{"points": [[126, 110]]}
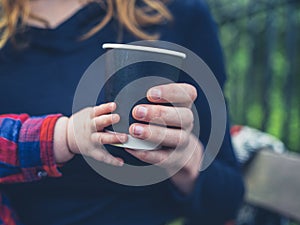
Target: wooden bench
{"points": [[273, 182]]}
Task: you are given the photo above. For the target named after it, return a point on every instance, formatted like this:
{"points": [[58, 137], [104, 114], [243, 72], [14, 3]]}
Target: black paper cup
{"points": [[129, 82]]}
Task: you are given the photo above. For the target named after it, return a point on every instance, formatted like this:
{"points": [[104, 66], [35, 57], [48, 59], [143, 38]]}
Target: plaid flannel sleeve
{"points": [[26, 148], [26, 154]]}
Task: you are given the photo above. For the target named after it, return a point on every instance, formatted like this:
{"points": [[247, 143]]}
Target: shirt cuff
{"points": [[217, 191], [193, 206], [187, 201], [47, 145], [36, 153]]}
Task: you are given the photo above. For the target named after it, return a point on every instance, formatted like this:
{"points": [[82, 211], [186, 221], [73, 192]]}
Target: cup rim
{"points": [[143, 48]]}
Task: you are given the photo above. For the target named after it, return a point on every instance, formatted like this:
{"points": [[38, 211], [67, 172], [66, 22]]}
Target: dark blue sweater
{"points": [[42, 78]]}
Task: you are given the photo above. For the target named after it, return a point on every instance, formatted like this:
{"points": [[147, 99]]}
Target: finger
{"points": [[100, 122], [151, 157], [104, 138], [104, 156], [104, 109], [168, 137], [181, 117], [184, 94], [168, 159]]}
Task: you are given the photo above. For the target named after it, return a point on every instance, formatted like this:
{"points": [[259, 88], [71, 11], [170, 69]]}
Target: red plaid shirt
{"points": [[26, 154]]}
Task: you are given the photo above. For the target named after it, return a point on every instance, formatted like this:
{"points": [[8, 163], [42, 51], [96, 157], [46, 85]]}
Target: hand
{"points": [[85, 133], [187, 156]]}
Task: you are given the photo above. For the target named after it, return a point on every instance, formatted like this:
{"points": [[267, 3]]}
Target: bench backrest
{"points": [[273, 182]]}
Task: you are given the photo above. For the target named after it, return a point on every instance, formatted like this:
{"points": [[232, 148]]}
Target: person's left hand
{"points": [[177, 136]]}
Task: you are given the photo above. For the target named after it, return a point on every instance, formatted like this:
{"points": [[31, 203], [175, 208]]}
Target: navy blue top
{"points": [[42, 78]]}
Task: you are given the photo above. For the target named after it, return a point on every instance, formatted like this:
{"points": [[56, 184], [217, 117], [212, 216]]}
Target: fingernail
{"points": [[122, 138], [141, 112], [138, 130], [155, 94]]}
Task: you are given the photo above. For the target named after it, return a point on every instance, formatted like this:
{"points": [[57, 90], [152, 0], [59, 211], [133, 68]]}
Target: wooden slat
{"points": [[273, 182]]}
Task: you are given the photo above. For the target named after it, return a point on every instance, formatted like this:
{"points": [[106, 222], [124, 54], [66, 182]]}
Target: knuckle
{"points": [[92, 112], [147, 132], [143, 156], [106, 119], [93, 124], [96, 155], [161, 135], [182, 141], [160, 112], [190, 118], [185, 117], [92, 138], [100, 139], [161, 158], [103, 157], [114, 138], [96, 125], [108, 159], [153, 112]]}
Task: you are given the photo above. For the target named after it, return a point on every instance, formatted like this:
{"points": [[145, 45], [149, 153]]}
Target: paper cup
{"points": [[128, 86]]}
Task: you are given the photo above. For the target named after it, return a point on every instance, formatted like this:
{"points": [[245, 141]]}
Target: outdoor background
{"points": [[261, 42]]}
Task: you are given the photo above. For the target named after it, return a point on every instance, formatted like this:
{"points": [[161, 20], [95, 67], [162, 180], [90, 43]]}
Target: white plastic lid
{"points": [[144, 48]]}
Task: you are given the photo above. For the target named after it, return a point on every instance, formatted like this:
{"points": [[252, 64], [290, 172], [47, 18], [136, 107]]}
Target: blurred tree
{"points": [[261, 43]]}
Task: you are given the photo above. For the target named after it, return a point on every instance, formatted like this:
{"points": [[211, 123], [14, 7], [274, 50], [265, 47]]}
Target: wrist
{"points": [[185, 178], [192, 167], [62, 151]]}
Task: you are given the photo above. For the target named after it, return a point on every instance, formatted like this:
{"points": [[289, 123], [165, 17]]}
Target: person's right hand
{"points": [[86, 136]]}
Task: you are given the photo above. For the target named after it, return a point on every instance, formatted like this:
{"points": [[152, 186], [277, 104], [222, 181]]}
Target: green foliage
{"points": [[261, 42]]}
